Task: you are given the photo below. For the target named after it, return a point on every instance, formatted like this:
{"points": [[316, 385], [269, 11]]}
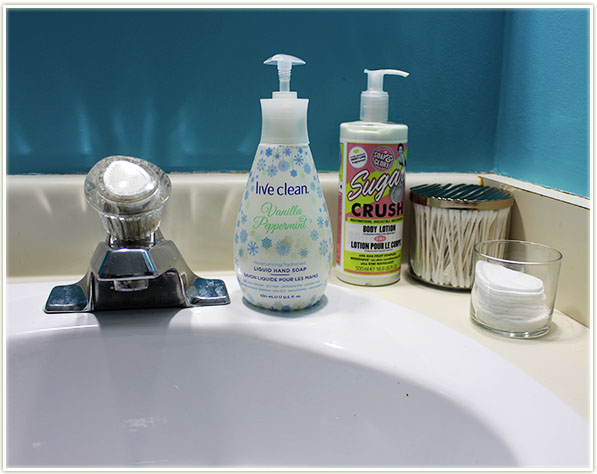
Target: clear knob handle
{"points": [[129, 194]]}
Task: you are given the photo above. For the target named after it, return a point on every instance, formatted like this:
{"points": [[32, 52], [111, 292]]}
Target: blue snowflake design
{"points": [[272, 170], [298, 160], [320, 221], [277, 156], [303, 253], [300, 150], [243, 218], [282, 247], [268, 152], [287, 151], [253, 248], [261, 163], [243, 236], [246, 194], [323, 247], [236, 238], [312, 186], [293, 173], [283, 166], [241, 252], [266, 243], [307, 168], [314, 235], [327, 223]]}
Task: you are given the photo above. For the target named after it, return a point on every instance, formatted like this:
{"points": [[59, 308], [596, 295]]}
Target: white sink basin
{"points": [[355, 382]]}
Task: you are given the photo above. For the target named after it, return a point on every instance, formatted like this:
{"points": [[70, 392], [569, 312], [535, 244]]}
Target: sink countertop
{"points": [[560, 360]]}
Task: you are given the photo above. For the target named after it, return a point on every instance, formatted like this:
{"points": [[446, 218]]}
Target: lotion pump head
{"points": [[284, 116], [374, 101]]}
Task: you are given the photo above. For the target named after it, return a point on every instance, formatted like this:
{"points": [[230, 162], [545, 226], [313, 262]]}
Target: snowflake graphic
{"points": [[261, 164], [246, 195], [327, 223], [268, 152], [243, 236], [272, 170], [307, 168], [252, 248], [303, 253], [282, 247], [283, 166], [299, 160], [243, 218], [312, 186], [293, 173], [314, 235], [241, 252], [266, 243], [323, 247], [320, 221], [236, 238], [277, 156], [287, 151], [300, 150]]}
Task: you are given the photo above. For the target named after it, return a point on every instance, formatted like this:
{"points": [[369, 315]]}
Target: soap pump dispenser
{"points": [[283, 237]]}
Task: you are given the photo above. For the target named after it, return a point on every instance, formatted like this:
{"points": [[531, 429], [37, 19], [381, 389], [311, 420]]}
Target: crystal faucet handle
{"points": [[129, 194]]}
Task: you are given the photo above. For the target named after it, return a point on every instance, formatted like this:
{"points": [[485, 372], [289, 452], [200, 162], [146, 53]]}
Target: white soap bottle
{"points": [[371, 190], [283, 237]]}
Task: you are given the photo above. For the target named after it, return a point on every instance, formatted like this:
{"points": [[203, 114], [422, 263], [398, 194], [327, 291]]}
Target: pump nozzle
{"points": [[374, 101], [285, 63]]}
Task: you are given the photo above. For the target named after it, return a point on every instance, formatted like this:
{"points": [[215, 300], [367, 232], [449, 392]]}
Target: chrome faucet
{"points": [[135, 267]]}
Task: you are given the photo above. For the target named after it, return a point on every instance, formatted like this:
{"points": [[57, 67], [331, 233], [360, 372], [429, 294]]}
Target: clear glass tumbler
{"points": [[514, 287]]}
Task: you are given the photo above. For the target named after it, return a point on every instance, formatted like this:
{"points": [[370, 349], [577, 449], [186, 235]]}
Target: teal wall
{"points": [[543, 121], [181, 87]]}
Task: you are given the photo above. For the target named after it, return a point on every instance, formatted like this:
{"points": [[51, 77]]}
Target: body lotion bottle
{"points": [[371, 190], [283, 239]]}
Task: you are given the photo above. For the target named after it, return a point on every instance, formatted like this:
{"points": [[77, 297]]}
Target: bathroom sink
{"points": [[354, 382]]}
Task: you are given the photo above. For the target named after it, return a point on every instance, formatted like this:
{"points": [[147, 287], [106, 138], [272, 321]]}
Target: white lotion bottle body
{"points": [[371, 202], [283, 240]]}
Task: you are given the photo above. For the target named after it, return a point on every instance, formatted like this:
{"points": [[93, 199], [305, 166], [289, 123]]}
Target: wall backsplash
{"points": [[181, 87]]}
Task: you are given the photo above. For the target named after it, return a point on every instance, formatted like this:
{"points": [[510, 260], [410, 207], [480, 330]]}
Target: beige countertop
{"points": [[560, 360]]}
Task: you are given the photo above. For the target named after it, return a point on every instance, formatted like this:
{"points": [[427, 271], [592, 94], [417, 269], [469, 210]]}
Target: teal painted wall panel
{"points": [[181, 87], [489, 90], [543, 125]]}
